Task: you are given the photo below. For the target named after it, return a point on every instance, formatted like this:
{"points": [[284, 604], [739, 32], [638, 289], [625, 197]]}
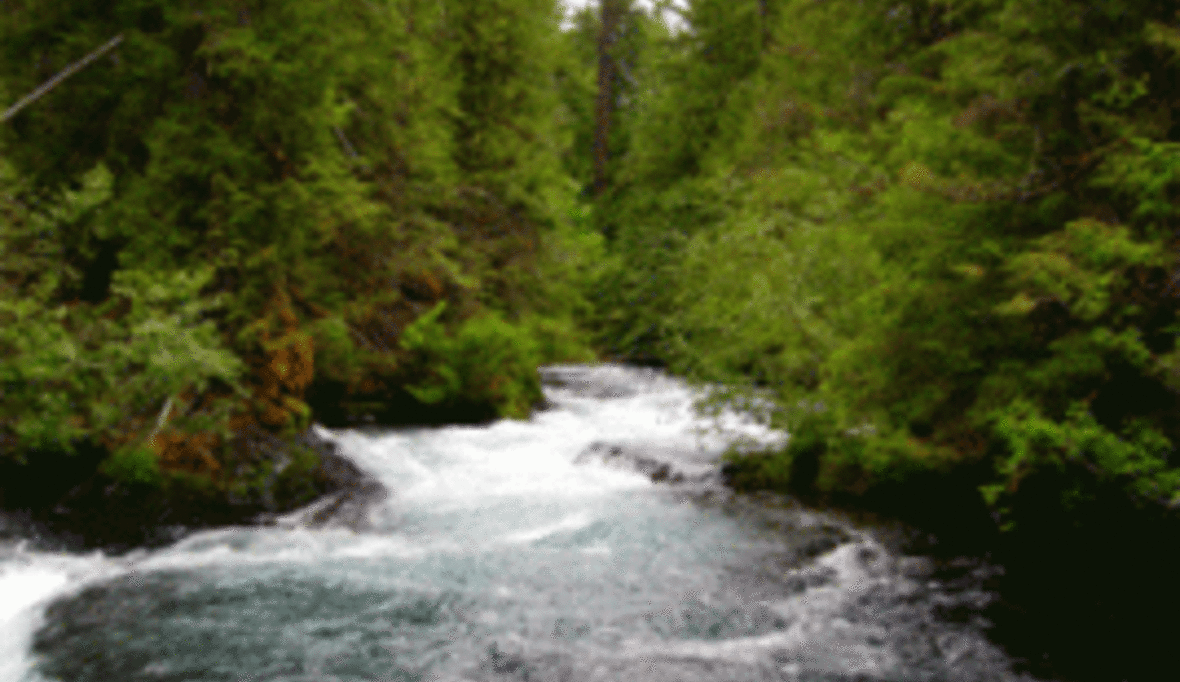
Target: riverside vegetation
{"points": [[941, 236], [250, 217]]}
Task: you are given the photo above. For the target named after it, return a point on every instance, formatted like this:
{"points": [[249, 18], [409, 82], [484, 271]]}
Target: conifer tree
{"points": [[942, 234], [324, 175], [612, 15]]}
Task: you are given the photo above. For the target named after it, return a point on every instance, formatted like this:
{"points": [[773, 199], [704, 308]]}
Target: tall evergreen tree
{"points": [[611, 21], [942, 234], [299, 187]]}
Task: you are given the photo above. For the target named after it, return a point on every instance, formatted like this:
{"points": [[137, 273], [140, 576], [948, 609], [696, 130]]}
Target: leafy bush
{"points": [[486, 360], [108, 372], [134, 466], [943, 236]]}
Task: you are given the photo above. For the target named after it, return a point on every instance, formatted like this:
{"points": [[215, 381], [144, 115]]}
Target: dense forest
{"points": [[939, 235], [250, 217]]}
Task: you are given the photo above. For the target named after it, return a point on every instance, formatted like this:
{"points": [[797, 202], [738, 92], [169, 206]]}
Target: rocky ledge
{"points": [[690, 472], [66, 503]]}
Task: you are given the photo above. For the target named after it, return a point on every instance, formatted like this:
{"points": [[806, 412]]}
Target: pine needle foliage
{"points": [[240, 212], [943, 234], [938, 221]]}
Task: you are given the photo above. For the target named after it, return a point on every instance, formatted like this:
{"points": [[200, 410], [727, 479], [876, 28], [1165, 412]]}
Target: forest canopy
{"points": [[252, 215], [943, 236]]}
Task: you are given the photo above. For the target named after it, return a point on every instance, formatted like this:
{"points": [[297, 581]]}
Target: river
{"points": [[521, 550]]}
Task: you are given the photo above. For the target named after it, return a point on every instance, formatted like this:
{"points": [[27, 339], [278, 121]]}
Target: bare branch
{"points": [[344, 143], [56, 80]]}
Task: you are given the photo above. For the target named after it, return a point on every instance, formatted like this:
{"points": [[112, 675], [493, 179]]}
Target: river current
{"points": [[589, 543]]}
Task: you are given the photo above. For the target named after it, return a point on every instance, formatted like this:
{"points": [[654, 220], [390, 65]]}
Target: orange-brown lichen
{"points": [[188, 452], [284, 367]]}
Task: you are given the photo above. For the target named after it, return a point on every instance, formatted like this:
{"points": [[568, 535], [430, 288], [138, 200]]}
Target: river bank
{"points": [[815, 592], [587, 543], [1079, 595], [67, 503]]}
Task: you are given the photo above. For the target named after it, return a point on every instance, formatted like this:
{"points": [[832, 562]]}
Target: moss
{"points": [[133, 467], [297, 484]]}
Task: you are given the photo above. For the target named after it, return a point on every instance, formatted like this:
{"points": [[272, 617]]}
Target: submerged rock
{"points": [[670, 465]]}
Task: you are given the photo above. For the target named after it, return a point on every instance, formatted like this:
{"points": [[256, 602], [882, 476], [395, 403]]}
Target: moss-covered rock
{"points": [[86, 502]]}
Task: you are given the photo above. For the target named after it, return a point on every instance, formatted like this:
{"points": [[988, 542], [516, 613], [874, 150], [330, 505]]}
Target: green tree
{"points": [[314, 177], [942, 233], [689, 86]]}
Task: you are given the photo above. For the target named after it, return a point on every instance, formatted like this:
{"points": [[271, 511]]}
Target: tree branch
{"points": [[56, 80]]}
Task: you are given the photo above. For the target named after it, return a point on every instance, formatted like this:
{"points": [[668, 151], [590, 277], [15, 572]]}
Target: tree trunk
{"points": [[611, 19], [764, 21]]}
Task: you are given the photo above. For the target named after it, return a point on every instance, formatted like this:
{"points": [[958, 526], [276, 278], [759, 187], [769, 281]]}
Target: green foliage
{"points": [[940, 234], [1136, 459], [77, 371], [133, 466], [358, 161], [947, 224], [427, 335], [260, 201], [774, 287], [558, 340], [485, 361], [1079, 267], [636, 51], [284, 480]]}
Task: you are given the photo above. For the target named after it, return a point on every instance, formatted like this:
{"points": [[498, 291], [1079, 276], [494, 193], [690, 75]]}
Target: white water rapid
{"points": [[522, 550]]}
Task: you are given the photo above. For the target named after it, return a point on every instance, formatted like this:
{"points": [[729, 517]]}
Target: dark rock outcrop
{"points": [[348, 493], [65, 502], [663, 465]]}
